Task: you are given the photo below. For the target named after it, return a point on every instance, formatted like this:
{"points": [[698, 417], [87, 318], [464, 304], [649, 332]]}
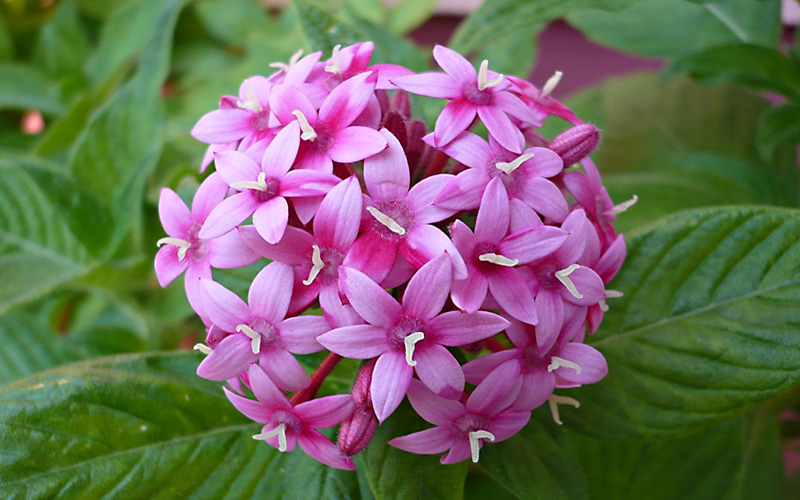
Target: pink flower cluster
{"points": [[373, 252]]}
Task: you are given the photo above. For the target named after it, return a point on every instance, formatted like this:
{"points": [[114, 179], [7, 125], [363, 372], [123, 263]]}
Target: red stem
{"points": [[323, 370], [494, 345]]}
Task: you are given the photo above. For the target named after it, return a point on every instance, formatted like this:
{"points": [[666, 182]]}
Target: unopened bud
{"points": [[395, 123], [576, 143], [357, 430]]}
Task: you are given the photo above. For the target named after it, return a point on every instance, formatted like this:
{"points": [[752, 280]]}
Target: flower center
{"points": [[486, 256], [279, 431], [283, 421], [392, 219], [260, 121], [508, 167], [264, 189], [563, 277], [410, 341], [475, 444], [252, 102], [261, 333], [556, 363], [405, 334], [307, 131], [325, 264], [192, 247], [476, 96], [483, 77], [335, 66], [183, 246]]}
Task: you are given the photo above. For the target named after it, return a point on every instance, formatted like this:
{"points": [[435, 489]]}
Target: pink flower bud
{"points": [[357, 430], [576, 143]]}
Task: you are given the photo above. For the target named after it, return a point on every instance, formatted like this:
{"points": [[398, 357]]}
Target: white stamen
{"points": [[499, 260], [260, 184], [625, 205], [410, 341], [563, 277], [255, 337], [610, 294], [603, 305], [286, 67], [554, 401], [316, 265], [252, 102], [279, 431], [556, 363], [387, 221], [474, 443], [510, 167], [182, 245], [334, 66], [309, 134], [551, 83], [483, 77], [202, 348]]}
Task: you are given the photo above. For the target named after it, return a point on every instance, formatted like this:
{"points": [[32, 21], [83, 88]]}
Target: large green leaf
{"points": [[708, 327], [779, 125], [63, 43], [398, 475], [144, 426], [24, 87], [674, 28], [29, 346]]}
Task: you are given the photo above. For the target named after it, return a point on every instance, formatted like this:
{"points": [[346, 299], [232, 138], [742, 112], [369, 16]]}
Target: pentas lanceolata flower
{"points": [[416, 252]]}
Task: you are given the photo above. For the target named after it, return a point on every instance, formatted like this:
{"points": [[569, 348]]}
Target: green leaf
{"points": [[496, 19], [398, 475], [675, 28], [707, 327], [6, 42], [233, 21], [757, 67], [24, 87], [512, 55], [144, 426], [779, 125], [536, 463], [63, 43], [29, 346], [407, 15]]}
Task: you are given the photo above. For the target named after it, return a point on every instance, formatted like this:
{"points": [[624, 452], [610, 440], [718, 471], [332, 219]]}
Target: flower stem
{"points": [[323, 370]]}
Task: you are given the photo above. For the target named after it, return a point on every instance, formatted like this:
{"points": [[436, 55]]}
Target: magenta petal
{"points": [[479, 368], [307, 183], [545, 163], [520, 334], [299, 334], [468, 294], [253, 410], [347, 101], [339, 215], [210, 194], [537, 386], [271, 218], [325, 412], [421, 197], [533, 243], [579, 228], [427, 442], [390, 380], [439, 371], [168, 267], [234, 166], [223, 125], [271, 291], [514, 106], [386, 175], [612, 259], [507, 424], [387, 73], [287, 373], [193, 286], [224, 308], [550, 309], [266, 391], [544, 197], [175, 216], [593, 364], [284, 99], [501, 128], [494, 214], [357, 341], [369, 300], [512, 293], [497, 391], [469, 149], [433, 408], [425, 242], [229, 251], [578, 186], [459, 452], [228, 214], [465, 191], [589, 285], [455, 65], [455, 328], [355, 143], [522, 216], [232, 357], [282, 151], [294, 249], [428, 289], [322, 450], [430, 84], [372, 255], [454, 119]]}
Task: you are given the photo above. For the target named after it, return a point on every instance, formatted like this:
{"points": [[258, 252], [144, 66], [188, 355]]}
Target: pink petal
{"points": [[612, 259], [232, 357], [234, 166], [372, 255], [522, 216], [307, 183], [501, 128], [390, 380], [386, 175], [430, 84], [455, 65], [370, 301], [319, 448], [439, 371], [589, 285], [469, 149], [521, 334], [223, 125], [427, 442], [507, 424], [224, 308], [455, 328], [514, 106], [253, 410], [550, 309], [454, 119], [533, 243], [347, 101], [282, 151], [537, 386], [167, 265], [193, 286], [210, 194], [387, 73], [299, 334], [287, 373], [469, 294], [339, 215], [293, 249], [428, 289], [479, 368], [229, 251], [593, 364], [544, 197], [421, 197], [357, 341], [271, 291], [353, 144], [545, 163], [465, 191], [175, 216], [497, 391], [371, 116], [433, 408], [266, 391], [284, 99], [512, 293], [271, 218], [494, 213], [228, 214], [579, 229], [325, 412], [459, 452], [425, 242], [400, 274], [578, 186]]}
